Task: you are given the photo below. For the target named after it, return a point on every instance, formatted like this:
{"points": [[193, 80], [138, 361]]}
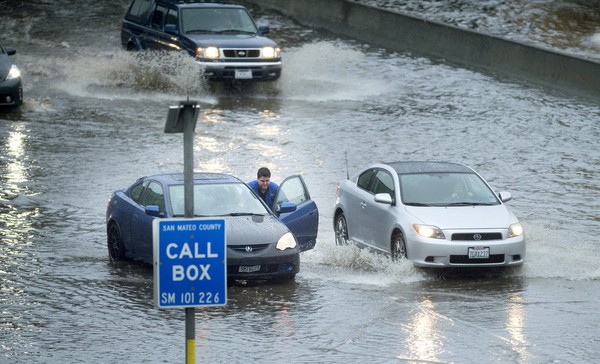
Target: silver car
{"points": [[435, 214]]}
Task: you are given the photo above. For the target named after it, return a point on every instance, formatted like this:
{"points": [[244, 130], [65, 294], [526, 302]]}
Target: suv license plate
{"points": [[243, 74], [479, 253], [248, 268]]}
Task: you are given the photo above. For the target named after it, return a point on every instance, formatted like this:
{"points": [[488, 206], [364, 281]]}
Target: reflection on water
{"points": [[15, 168], [423, 338], [515, 326]]}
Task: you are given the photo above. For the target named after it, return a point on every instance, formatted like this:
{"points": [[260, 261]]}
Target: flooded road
{"points": [[93, 120]]}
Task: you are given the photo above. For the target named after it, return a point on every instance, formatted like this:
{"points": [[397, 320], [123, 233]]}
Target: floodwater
{"points": [[93, 121]]}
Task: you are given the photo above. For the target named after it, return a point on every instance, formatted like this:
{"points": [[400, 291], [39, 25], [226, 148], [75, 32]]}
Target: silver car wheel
{"points": [[398, 245], [341, 230]]}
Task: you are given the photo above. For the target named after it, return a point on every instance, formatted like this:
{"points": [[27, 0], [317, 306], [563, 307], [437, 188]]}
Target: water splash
{"points": [[325, 71], [550, 254], [134, 75]]}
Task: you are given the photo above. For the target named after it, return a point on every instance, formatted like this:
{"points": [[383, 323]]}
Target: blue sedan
{"points": [[263, 241]]}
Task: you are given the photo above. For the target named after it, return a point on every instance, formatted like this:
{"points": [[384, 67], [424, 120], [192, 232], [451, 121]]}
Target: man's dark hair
{"points": [[263, 172]]}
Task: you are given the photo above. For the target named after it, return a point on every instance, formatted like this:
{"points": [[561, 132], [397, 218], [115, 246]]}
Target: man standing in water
{"points": [[263, 186]]}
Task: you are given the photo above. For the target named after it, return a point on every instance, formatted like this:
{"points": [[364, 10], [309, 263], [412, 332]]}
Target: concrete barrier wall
{"points": [[398, 32]]}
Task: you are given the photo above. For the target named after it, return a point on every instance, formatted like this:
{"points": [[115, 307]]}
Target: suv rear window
{"points": [[139, 9]]}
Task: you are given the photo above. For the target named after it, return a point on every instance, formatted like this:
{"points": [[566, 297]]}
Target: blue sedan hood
{"points": [[248, 230], [464, 217]]}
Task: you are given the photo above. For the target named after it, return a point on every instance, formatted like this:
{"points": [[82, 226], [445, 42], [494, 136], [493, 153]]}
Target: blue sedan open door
{"points": [[304, 221]]}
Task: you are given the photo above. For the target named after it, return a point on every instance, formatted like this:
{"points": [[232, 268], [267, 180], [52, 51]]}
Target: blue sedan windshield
{"points": [[445, 189], [217, 200]]}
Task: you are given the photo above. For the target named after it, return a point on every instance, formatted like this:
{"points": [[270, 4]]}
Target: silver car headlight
{"points": [[13, 73], [429, 231], [287, 241], [515, 230], [270, 52]]}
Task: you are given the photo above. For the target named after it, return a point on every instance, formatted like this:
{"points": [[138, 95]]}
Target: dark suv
{"points": [[223, 38]]}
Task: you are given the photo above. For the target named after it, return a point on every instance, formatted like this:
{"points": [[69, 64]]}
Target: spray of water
{"points": [[550, 254], [325, 71], [126, 74]]}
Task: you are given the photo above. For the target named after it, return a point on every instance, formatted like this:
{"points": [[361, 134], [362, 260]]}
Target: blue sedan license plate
{"points": [[243, 74], [479, 253], [248, 268]]}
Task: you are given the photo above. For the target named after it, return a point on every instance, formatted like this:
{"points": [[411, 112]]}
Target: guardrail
{"points": [[515, 61]]}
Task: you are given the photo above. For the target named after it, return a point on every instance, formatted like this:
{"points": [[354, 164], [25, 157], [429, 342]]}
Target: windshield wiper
{"points": [[470, 204], [244, 214], [416, 204], [233, 31], [200, 31]]}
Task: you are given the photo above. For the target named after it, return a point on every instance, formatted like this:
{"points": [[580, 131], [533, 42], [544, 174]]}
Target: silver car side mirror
{"points": [[505, 196], [384, 198]]}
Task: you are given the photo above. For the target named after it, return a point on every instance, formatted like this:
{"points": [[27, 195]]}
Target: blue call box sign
{"points": [[190, 263]]}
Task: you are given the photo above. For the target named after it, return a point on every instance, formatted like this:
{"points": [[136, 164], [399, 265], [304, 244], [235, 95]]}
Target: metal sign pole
{"points": [[182, 118], [189, 124], [182, 288]]}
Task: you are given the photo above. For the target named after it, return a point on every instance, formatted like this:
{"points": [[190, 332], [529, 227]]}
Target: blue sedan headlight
{"points": [[287, 241], [429, 231]]}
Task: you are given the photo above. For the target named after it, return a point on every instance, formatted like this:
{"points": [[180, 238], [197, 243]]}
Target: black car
{"points": [[11, 87], [223, 38]]}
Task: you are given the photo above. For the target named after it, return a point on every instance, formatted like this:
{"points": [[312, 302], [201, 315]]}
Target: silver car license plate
{"points": [[248, 268], [479, 253], [243, 74]]}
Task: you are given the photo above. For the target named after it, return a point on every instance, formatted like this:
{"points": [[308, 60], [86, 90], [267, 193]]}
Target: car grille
{"points": [[241, 53], [464, 259], [249, 248], [477, 236]]}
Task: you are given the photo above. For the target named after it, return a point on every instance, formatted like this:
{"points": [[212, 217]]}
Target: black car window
{"points": [[136, 192], [139, 9], [154, 196], [172, 18], [157, 16], [383, 183], [365, 178]]}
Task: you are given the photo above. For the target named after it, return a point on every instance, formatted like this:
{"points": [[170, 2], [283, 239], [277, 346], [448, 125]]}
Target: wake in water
{"points": [[350, 264], [551, 254], [321, 71], [325, 71]]}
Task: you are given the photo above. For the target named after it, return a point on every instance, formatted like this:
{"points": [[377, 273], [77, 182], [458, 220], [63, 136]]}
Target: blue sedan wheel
{"points": [[116, 247]]}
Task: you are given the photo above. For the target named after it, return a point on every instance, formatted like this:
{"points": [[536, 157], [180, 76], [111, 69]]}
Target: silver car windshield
{"points": [[216, 20], [445, 189], [217, 200]]}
